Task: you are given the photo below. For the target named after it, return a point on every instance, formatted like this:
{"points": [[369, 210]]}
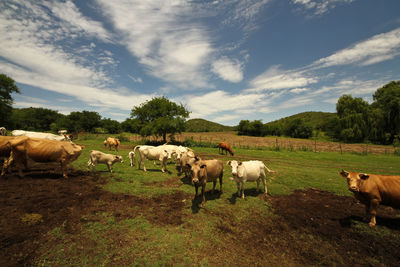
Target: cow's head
{"points": [[119, 158], [354, 179], [235, 165], [198, 171], [165, 154]]}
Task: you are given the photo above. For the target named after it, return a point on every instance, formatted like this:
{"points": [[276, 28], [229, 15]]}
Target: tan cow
{"points": [[185, 161], [100, 157], [374, 189], [5, 147], [204, 171], [112, 142], [25, 148]]}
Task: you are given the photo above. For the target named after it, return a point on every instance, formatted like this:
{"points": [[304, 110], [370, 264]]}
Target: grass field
{"points": [[151, 219]]}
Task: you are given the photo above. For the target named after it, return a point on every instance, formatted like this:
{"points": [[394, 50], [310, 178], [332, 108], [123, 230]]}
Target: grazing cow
{"points": [[153, 153], [41, 150], [203, 171], [100, 157], [3, 131], [112, 142], [48, 136], [248, 171], [132, 158], [223, 146], [374, 189]]}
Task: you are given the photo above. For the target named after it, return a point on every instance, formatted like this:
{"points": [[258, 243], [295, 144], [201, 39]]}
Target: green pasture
{"points": [[199, 240]]}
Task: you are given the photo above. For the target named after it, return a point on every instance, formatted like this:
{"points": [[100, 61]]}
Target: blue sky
{"points": [[225, 61]]}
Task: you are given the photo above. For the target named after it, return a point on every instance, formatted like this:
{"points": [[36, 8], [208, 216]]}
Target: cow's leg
{"points": [[164, 165], [372, 211], [203, 193], [214, 184], [196, 188], [243, 189], [109, 167], [238, 187], [265, 185], [258, 185], [220, 184], [63, 169]]}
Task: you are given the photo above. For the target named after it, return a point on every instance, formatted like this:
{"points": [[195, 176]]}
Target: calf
{"points": [[100, 157], [203, 171], [132, 158], [374, 189], [248, 171]]}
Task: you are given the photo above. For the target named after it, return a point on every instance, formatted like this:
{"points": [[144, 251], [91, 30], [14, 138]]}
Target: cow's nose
{"points": [[234, 173], [353, 189]]}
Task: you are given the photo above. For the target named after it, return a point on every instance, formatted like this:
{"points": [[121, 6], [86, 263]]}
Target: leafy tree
{"points": [[83, 121], [387, 104], [131, 125], [34, 119], [354, 118], [297, 128], [160, 116], [111, 126], [7, 86]]}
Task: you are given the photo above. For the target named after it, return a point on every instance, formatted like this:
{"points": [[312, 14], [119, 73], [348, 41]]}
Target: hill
{"points": [[313, 118], [201, 125]]}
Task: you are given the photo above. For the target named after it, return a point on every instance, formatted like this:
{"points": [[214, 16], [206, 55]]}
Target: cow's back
{"points": [[43, 150], [215, 168], [386, 187], [253, 169]]}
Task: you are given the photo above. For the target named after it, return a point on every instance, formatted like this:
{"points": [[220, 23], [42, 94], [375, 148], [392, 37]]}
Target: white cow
{"points": [[153, 153], [100, 157], [3, 131], [248, 171], [48, 136]]}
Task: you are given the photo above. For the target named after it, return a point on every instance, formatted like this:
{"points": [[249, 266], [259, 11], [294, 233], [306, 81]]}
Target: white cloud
{"points": [[299, 90], [275, 79], [320, 7], [381, 47], [228, 69]]}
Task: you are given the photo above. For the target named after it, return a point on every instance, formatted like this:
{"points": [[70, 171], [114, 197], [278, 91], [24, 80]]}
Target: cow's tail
{"points": [[135, 153], [269, 171]]}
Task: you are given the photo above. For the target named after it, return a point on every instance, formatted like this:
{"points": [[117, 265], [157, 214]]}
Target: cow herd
{"points": [[370, 189]]}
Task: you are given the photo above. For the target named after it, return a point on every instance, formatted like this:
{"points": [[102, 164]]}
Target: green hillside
{"points": [[313, 118], [201, 125]]}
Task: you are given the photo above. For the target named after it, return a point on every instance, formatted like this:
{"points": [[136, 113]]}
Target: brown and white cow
{"points": [[112, 142], [25, 148], [224, 146], [374, 189], [204, 171], [100, 157]]}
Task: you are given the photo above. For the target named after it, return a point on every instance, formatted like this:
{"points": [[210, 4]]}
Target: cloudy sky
{"points": [[224, 60]]}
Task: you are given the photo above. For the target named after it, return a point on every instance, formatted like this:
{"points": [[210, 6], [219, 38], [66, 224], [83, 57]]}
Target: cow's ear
{"points": [[240, 163], [203, 166], [228, 163], [344, 173], [363, 176], [188, 165]]}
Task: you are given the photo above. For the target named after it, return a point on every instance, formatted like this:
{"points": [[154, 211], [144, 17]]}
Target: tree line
{"points": [[355, 120]]}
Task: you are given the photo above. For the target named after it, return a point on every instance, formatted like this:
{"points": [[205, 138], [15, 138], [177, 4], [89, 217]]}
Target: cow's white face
{"points": [[354, 179], [119, 158], [234, 165]]}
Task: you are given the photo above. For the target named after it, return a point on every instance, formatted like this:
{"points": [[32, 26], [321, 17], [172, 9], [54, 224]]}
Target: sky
{"points": [[225, 61]]}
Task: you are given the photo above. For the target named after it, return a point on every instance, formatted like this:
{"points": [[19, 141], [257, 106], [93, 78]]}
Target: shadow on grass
{"points": [[196, 202], [247, 192], [389, 222]]}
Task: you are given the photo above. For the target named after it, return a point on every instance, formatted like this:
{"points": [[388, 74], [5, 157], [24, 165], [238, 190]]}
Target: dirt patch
{"points": [[41, 201]]}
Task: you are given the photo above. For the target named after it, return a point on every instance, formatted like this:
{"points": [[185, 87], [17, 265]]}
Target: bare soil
{"points": [[33, 206]]}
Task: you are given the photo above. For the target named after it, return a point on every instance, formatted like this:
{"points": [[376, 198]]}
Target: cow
{"points": [[48, 136], [132, 158], [41, 150], [223, 146], [112, 142], [186, 160], [62, 132], [100, 157], [248, 171], [3, 131], [153, 153], [204, 171], [372, 190], [5, 147]]}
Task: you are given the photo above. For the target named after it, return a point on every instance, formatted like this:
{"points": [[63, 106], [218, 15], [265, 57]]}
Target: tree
{"points": [[7, 86], [387, 102], [111, 126], [297, 128], [34, 119], [160, 116], [354, 118], [84, 121]]}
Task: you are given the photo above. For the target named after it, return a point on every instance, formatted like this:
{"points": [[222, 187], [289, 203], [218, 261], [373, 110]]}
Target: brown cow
{"points": [[112, 142], [223, 146], [374, 189], [203, 171], [41, 150], [5, 147]]}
